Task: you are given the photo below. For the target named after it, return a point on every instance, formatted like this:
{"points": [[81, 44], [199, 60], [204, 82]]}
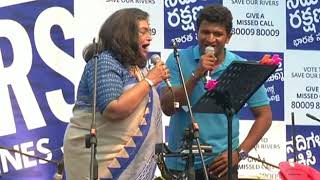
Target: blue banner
{"points": [[30, 33], [180, 21], [303, 25]]}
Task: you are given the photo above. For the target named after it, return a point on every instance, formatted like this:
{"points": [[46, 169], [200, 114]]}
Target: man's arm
{"points": [[263, 121], [166, 97], [207, 62]]}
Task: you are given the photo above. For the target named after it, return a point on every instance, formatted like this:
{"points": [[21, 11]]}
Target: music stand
{"points": [[235, 86]]}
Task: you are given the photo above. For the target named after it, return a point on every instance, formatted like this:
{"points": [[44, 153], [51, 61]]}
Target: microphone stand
{"points": [[194, 131], [58, 163], [91, 139], [312, 117], [293, 134], [32, 156], [224, 99], [263, 162]]}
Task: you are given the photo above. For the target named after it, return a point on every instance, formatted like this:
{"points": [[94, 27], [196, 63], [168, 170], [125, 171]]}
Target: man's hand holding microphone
{"points": [[208, 63]]}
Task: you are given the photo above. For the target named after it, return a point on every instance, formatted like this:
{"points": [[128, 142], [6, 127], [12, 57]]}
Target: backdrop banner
{"points": [[41, 64]]}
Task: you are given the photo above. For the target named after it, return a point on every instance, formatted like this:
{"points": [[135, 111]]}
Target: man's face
{"points": [[212, 34]]}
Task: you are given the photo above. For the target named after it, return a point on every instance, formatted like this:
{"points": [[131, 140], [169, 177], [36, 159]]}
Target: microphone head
{"points": [[209, 49], [174, 44], [155, 58]]}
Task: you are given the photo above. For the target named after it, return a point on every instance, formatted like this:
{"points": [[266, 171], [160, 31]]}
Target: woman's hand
{"points": [[159, 73]]}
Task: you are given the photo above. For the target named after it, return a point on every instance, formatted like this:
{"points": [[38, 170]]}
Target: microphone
{"points": [[312, 117], [209, 50], [156, 58], [59, 174]]}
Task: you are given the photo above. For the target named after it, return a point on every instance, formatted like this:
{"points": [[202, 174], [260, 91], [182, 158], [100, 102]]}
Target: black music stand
{"points": [[235, 86]]}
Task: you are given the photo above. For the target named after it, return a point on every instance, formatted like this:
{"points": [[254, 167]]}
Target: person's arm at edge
{"points": [[263, 121], [166, 95]]}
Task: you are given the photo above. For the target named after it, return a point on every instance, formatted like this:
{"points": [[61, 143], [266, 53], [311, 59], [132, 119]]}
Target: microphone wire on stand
{"points": [[91, 139], [194, 131]]}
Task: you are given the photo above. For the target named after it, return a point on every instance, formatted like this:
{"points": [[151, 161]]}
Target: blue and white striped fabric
{"points": [[125, 148]]}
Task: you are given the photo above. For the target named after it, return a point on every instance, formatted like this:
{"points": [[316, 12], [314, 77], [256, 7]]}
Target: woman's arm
{"points": [[123, 106]]}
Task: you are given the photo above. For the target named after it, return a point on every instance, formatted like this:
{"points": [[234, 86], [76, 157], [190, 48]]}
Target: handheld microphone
{"points": [[59, 174], [209, 50], [312, 117], [156, 58]]}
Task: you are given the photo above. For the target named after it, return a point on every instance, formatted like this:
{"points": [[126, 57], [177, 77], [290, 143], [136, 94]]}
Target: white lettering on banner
{"points": [[182, 17], [293, 5], [271, 90], [6, 157], [306, 40], [186, 19], [55, 58], [184, 38], [277, 75], [273, 96], [306, 17], [18, 161], [44, 150], [16, 76], [305, 144], [27, 161], [173, 3], [174, 18]]}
